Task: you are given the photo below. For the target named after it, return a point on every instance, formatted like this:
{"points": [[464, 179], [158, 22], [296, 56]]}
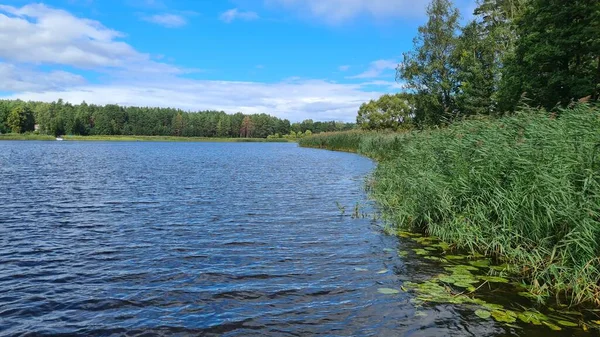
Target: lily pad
{"points": [[456, 257], [532, 317], [483, 313], [442, 245], [567, 323], [388, 250], [420, 251], [402, 253], [360, 269], [506, 316], [388, 291], [382, 271], [431, 248], [552, 326], [494, 279], [480, 263], [404, 234], [527, 294]]}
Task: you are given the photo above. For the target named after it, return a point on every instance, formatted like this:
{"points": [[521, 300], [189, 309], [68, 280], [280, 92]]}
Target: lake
{"points": [[223, 239]]}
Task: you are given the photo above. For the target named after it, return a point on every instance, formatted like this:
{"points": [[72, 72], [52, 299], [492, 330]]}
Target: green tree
{"points": [[476, 71], [557, 55], [428, 70], [392, 112], [224, 126], [177, 124], [20, 119]]}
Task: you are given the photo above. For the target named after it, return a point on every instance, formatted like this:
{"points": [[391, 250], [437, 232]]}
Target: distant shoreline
{"points": [[123, 138]]}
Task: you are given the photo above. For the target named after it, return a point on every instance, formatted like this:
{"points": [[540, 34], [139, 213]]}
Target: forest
{"points": [[63, 118], [513, 53]]}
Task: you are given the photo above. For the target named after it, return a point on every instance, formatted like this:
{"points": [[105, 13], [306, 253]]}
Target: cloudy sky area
{"points": [[294, 59]]}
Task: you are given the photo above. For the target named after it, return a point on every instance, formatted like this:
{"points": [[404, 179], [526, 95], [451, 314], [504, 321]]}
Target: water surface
{"points": [[181, 239]]}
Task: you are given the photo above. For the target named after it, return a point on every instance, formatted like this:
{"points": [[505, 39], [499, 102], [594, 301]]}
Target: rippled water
{"points": [[180, 239]]}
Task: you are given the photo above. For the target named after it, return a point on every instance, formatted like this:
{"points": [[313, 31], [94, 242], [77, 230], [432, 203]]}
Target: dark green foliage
{"points": [[60, 118], [557, 56], [389, 112], [525, 189], [428, 70], [20, 119]]}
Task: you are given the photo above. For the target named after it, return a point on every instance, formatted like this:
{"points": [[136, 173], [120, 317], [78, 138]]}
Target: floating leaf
{"points": [[404, 234], [403, 253], [567, 323], [455, 257], [382, 271], [388, 250], [388, 291], [532, 317], [483, 313], [431, 248], [527, 294], [435, 258], [446, 279], [494, 279], [480, 263], [360, 269], [442, 245], [506, 316], [420, 251], [552, 326], [420, 314]]}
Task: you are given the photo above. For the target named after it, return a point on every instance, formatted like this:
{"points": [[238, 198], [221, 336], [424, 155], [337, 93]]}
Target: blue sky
{"points": [[294, 59]]}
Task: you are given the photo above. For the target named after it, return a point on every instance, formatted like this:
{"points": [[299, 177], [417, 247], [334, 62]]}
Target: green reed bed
{"points": [[524, 189]]}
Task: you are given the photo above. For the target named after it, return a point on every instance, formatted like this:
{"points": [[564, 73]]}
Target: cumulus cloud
{"points": [[292, 99], [235, 14], [377, 68], [166, 20], [38, 34], [339, 11], [14, 78]]}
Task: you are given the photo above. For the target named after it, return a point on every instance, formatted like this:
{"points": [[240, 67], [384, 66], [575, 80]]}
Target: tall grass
{"points": [[524, 189]]}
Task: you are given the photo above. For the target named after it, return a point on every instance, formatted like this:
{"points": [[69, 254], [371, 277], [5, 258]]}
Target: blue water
{"points": [[188, 239]]}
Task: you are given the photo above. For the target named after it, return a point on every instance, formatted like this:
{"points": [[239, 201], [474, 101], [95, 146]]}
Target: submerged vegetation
{"points": [[523, 189]]}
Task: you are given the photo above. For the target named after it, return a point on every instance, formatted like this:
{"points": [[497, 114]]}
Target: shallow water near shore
{"points": [[228, 239]]}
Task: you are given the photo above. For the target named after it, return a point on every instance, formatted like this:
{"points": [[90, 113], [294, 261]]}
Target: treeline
{"points": [[540, 53], [62, 118]]}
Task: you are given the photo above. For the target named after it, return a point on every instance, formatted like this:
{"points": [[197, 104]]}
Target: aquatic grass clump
{"points": [[524, 189]]}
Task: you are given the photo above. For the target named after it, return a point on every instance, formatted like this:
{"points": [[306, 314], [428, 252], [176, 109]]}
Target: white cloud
{"points": [[14, 78], [234, 14], [167, 20], [339, 11], [377, 68], [38, 34], [344, 68], [292, 99]]}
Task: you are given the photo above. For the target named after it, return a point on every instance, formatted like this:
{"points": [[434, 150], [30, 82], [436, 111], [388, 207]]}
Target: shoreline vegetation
{"points": [[123, 138], [523, 189]]}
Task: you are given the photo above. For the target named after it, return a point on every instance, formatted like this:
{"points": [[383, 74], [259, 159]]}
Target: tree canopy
{"points": [[63, 118]]}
